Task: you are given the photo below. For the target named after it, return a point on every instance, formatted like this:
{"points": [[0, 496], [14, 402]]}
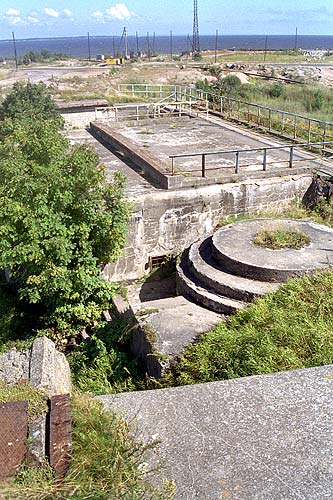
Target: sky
{"points": [[50, 18]]}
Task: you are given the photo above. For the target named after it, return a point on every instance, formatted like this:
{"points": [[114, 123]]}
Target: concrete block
{"points": [[49, 369], [14, 366]]}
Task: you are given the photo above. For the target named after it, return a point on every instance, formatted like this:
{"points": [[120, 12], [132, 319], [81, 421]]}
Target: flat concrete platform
{"points": [[136, 184], [234, 248], [183, 135], [266, 437], [176, 322]]}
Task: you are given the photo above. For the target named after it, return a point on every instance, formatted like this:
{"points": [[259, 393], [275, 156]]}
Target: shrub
{"points": [[230, 85], [281, 238], [314, 100], [276, 90]]}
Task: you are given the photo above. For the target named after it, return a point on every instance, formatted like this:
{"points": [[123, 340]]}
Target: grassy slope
{"points": [[288, 329]]}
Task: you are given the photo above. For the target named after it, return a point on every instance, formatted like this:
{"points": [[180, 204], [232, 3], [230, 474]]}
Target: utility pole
{"points": [[15, 53], [137, 43], [196, 41], [89, 54], [189, 44], [216, 45], [148, 46], [126, 42], [171, 55], [266, 43], [153, 48], [296, 40]]}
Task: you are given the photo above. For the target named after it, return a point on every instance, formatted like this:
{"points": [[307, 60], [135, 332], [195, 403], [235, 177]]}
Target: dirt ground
{"points": [[70, 77]]}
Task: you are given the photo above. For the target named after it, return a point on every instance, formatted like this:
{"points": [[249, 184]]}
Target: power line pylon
{"points": [[196, 41]]}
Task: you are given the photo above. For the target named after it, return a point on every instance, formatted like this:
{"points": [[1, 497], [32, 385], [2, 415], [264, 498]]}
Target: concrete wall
{"points": [[166, 222]]}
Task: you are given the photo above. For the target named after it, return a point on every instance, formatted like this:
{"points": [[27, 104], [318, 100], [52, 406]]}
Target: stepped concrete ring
{"points": [[234, 250]]}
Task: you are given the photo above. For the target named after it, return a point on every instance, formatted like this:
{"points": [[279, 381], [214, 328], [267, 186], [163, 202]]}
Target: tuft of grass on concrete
{"points": [[36, 399], [278, 239]]}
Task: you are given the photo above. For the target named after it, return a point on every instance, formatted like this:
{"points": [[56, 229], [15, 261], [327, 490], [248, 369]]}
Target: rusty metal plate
{"points": [[60, 444], [13, 436]]}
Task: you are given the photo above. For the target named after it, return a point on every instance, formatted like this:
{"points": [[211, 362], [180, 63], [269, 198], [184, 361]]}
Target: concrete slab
{"points": [[164, 137], [234, 249], [256, 438], [176, 322], [136, 184]]}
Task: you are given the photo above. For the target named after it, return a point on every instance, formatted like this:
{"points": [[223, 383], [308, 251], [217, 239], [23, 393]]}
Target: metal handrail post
{"points": [[264, 161], [291, 156], [203, 165], [237, 162]]}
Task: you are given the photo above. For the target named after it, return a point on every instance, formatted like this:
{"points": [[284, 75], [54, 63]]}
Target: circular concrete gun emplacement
{"points": [[225, 271]]}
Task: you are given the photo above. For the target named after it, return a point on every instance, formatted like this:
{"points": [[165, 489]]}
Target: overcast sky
{"points": [[49, 18]]}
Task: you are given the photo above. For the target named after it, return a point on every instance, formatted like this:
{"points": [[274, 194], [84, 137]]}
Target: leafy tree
{"points": [[59, 223], [29, 101]]}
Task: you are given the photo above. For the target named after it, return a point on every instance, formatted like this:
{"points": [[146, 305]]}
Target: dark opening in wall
{"points": [[157, 262]]}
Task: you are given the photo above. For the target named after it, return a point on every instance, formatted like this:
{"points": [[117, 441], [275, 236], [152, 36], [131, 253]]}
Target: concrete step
{"points": [[234, 251], [213, 277], [189, 286]]}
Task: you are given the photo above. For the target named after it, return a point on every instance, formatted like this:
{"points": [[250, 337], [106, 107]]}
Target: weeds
{"points": [[107, 463], [280, 238], [288, 329]]}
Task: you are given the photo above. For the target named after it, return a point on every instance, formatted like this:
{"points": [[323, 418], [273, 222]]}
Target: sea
{"points": [[108, 45]]}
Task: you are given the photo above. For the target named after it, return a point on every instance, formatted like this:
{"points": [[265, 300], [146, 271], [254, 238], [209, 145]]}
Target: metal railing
{"points": [[291, 159], [289, 125], [147, 90], [142, 110], [286, 124]]}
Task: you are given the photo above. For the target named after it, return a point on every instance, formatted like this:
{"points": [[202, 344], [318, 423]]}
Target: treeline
{"points": [[32, 56]]}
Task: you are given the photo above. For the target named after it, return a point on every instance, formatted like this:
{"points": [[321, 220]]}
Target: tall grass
{"points": [[288, 329], [107, 464]]}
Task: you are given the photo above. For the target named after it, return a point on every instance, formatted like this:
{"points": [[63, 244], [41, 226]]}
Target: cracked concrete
{"points": [[255, 438]]}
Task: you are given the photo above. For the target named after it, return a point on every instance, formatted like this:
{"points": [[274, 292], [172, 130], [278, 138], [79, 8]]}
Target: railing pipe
{"points": [[237, 162], [264, 161], [291, 156]]}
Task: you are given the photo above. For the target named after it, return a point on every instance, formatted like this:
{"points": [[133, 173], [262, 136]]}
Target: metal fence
{"points": [[289, 125], [240, 154]]}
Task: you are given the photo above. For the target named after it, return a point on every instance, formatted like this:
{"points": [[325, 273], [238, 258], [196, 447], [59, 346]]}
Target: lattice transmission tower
{"points": [[196, 41]]}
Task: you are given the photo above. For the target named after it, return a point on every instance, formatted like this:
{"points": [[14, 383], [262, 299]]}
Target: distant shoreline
{"points": [[77, 46]]}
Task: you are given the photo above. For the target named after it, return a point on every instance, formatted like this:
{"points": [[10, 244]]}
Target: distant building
{"points": [[100, 57]]}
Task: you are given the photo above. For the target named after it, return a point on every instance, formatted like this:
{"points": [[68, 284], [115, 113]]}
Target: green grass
{"points": [[24, 392], [104, 365], [107, 464], [288, 329], [277, 239]]}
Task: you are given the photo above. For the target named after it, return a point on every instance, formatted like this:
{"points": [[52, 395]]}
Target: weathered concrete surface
{"points": [[257, 438], [195, 136], [234, 250], [136, 184], [167, 222], [172, 324], [42, 365]]}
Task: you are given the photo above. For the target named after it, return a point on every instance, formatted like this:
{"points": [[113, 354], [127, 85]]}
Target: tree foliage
{"points": [[29, 101], [59, 220]]}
